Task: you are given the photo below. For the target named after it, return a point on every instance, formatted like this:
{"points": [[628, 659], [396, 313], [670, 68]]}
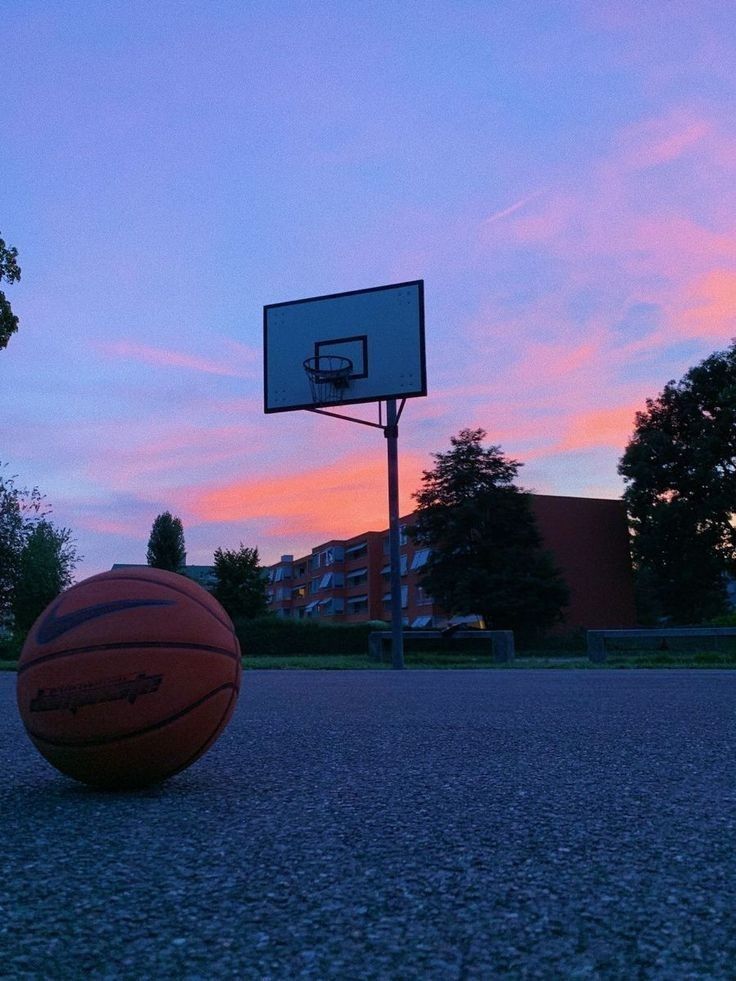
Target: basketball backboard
{"points": [[380, 331]]}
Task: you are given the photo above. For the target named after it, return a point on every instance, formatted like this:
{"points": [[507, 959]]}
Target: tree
{"points": [[486, 555], [9, 270], [44, 570], [18, 507], [241, 582], [36, 559], [166, 548], [680, 472]]}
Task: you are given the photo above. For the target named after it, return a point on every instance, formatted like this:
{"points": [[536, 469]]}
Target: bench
{"points": [[597, 638], [501, 646]]}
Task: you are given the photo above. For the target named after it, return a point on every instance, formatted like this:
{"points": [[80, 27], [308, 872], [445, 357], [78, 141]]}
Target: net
{"points": [[329, 377]]}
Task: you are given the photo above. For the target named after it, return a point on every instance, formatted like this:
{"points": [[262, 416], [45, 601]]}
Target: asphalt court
{"points": [[380, 824]]}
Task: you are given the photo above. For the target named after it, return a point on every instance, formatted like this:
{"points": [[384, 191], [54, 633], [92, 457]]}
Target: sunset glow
{"points": [[561, 177]]}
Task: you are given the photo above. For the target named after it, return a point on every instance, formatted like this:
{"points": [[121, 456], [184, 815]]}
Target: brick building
{"points": [[347, 581]]}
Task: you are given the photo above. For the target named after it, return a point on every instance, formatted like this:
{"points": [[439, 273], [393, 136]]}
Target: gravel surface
{"points": [[378, 824]]}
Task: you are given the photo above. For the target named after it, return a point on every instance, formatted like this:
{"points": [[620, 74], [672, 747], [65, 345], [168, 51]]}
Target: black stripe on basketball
{"points": [[174, 589], [120, 737], [172, 645]]}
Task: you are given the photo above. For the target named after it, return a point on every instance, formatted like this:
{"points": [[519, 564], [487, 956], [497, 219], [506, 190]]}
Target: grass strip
{"points": [[525, 661]]}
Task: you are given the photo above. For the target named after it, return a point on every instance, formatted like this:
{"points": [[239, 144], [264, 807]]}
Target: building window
{"points": [[356, 551], [357, 577], [331, 606], [299, 592], [314, 585], [357, 604], [327, 557], [421, 557]]}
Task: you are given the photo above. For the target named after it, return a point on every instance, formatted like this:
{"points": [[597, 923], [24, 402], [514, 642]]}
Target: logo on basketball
{"points": [[74, 697]]}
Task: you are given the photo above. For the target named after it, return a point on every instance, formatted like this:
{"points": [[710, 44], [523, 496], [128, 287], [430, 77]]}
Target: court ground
{"points": [[378, 824]]}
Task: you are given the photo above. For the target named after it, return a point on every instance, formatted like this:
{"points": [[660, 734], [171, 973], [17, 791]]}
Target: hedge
{"points": [[272, 636]]}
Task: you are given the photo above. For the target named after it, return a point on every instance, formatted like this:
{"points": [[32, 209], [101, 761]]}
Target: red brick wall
{"points": [[589, 540]]}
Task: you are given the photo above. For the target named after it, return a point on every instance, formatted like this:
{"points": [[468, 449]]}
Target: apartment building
{"points": [[347, 581]]}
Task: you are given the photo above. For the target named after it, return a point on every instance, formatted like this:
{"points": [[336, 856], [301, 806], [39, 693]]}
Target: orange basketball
{"points": [[128, 677]]}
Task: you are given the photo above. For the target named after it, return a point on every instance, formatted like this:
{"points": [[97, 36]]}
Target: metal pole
{"points": [[391, 432]]}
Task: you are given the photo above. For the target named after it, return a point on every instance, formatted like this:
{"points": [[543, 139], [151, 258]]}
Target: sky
{"points": [[560, 174]]}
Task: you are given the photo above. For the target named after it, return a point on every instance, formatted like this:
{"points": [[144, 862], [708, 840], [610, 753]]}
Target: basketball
{"points": [[128, 677]]}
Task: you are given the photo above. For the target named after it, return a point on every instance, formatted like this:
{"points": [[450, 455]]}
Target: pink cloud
{"points": [[673, 244], [550, 220], [557, 360], [627, 237], [661, 140], [163, 450], [176, 359], [130, 527], [609, 427], [710, 306], [337, 500], [611, 211], [186, 448]]}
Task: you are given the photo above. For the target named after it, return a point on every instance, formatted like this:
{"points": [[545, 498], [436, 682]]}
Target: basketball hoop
{"points": [[329, 377]]}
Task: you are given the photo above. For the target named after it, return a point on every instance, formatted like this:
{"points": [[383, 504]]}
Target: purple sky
{"points": [[561, 175]]}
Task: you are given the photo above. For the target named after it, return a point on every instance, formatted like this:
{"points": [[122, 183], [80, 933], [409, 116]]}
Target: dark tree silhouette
{"points": [[486, 553], [241, 582], [680, 472], [37, 559], [10, 271], [166, 548]]}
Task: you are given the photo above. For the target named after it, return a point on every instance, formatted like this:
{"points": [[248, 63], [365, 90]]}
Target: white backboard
{"points": [[381, 331]]}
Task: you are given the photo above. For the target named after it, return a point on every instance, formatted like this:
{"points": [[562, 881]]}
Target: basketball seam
{"points": [[104, 740], [131, 645], [173, 588], [217, 731]]}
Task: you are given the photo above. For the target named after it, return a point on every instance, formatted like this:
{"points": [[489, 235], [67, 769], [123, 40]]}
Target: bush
{"points": [[10, 646], [727, 620], [274, 637], [571, 641]]}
